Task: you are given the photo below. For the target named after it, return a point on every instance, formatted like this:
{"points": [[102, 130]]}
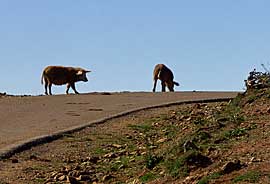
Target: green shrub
{"points": [[151, 161], [148, 177], [206, 179]]}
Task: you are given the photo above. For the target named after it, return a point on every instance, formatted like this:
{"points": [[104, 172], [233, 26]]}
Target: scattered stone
{"points": [[53, 174], [122, 152], [33, 157], [152, 147], [49, 181], [129, 137], [92, 159], [72, 180], [189, 119], [67, 168], [121, 167], [198, 160], [107, 177], [117, 146], [231, 166], [210, 150], [62, 178], [74, 173], [162, 172], [197, 106], [189, 145], [135, 181], [77, 167], [162, 140], [84, 178], [190, 179], [110, 155], [68, 160], [253, 159], [133, 153], [14, 161], [57, 176]]}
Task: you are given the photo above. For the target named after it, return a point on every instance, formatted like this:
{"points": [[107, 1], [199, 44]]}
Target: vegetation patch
{"points": [[141, 128], [151, 161], [207, 179], [251, 177], [148, 177]]}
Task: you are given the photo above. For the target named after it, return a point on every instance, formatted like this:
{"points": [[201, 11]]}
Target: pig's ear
{"points": [[80, 72]]}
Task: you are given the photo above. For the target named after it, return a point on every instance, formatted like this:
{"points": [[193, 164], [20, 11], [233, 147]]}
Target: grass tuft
{"points": [[252, 177]]}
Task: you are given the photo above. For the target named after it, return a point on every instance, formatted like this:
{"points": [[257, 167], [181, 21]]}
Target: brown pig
{"points": [[60, 75], [165, 75]]}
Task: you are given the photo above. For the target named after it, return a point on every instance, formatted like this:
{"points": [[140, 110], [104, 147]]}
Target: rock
{"points": [[135, 181], [57, 176], [99, 175], [84, 178], [48, 181], [152, 147], [162, 140], [133, 153], [53, 174], [231, 166], [210, 150], [117, 146], [122, 152], [189, 145], [132, 160], [62, 178], [67, 168], [92, 159], [107, 177], [197, 106], [74, 173], [77, 167], [197, 159], [144, 153], [72, 180], [110, 155], [253, 159], [14, 161], [129, 137], [33, 157]]}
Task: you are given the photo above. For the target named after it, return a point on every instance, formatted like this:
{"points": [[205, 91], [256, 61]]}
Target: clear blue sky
{"points": [[209, 44]]}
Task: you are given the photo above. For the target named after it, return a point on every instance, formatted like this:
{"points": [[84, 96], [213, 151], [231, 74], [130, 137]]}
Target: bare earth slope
{"points": [[218, 142], [24, 118]]}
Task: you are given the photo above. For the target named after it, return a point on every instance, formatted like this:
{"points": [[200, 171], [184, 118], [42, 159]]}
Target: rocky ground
{"points": [[195, 143]]}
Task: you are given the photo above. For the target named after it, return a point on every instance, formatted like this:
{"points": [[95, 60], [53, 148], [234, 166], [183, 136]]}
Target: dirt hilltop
{"points": [[221, 142], [26, 118]]}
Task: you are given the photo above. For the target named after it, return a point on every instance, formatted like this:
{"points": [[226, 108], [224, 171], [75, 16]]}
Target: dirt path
{"points": [[25, 118]]}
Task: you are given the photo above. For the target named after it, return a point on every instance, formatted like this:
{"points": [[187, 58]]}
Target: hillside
{"points": [[225, 142]]}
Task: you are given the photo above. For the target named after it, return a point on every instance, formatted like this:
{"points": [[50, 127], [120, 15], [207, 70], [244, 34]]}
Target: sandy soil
{"points": [[27, 117]]}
